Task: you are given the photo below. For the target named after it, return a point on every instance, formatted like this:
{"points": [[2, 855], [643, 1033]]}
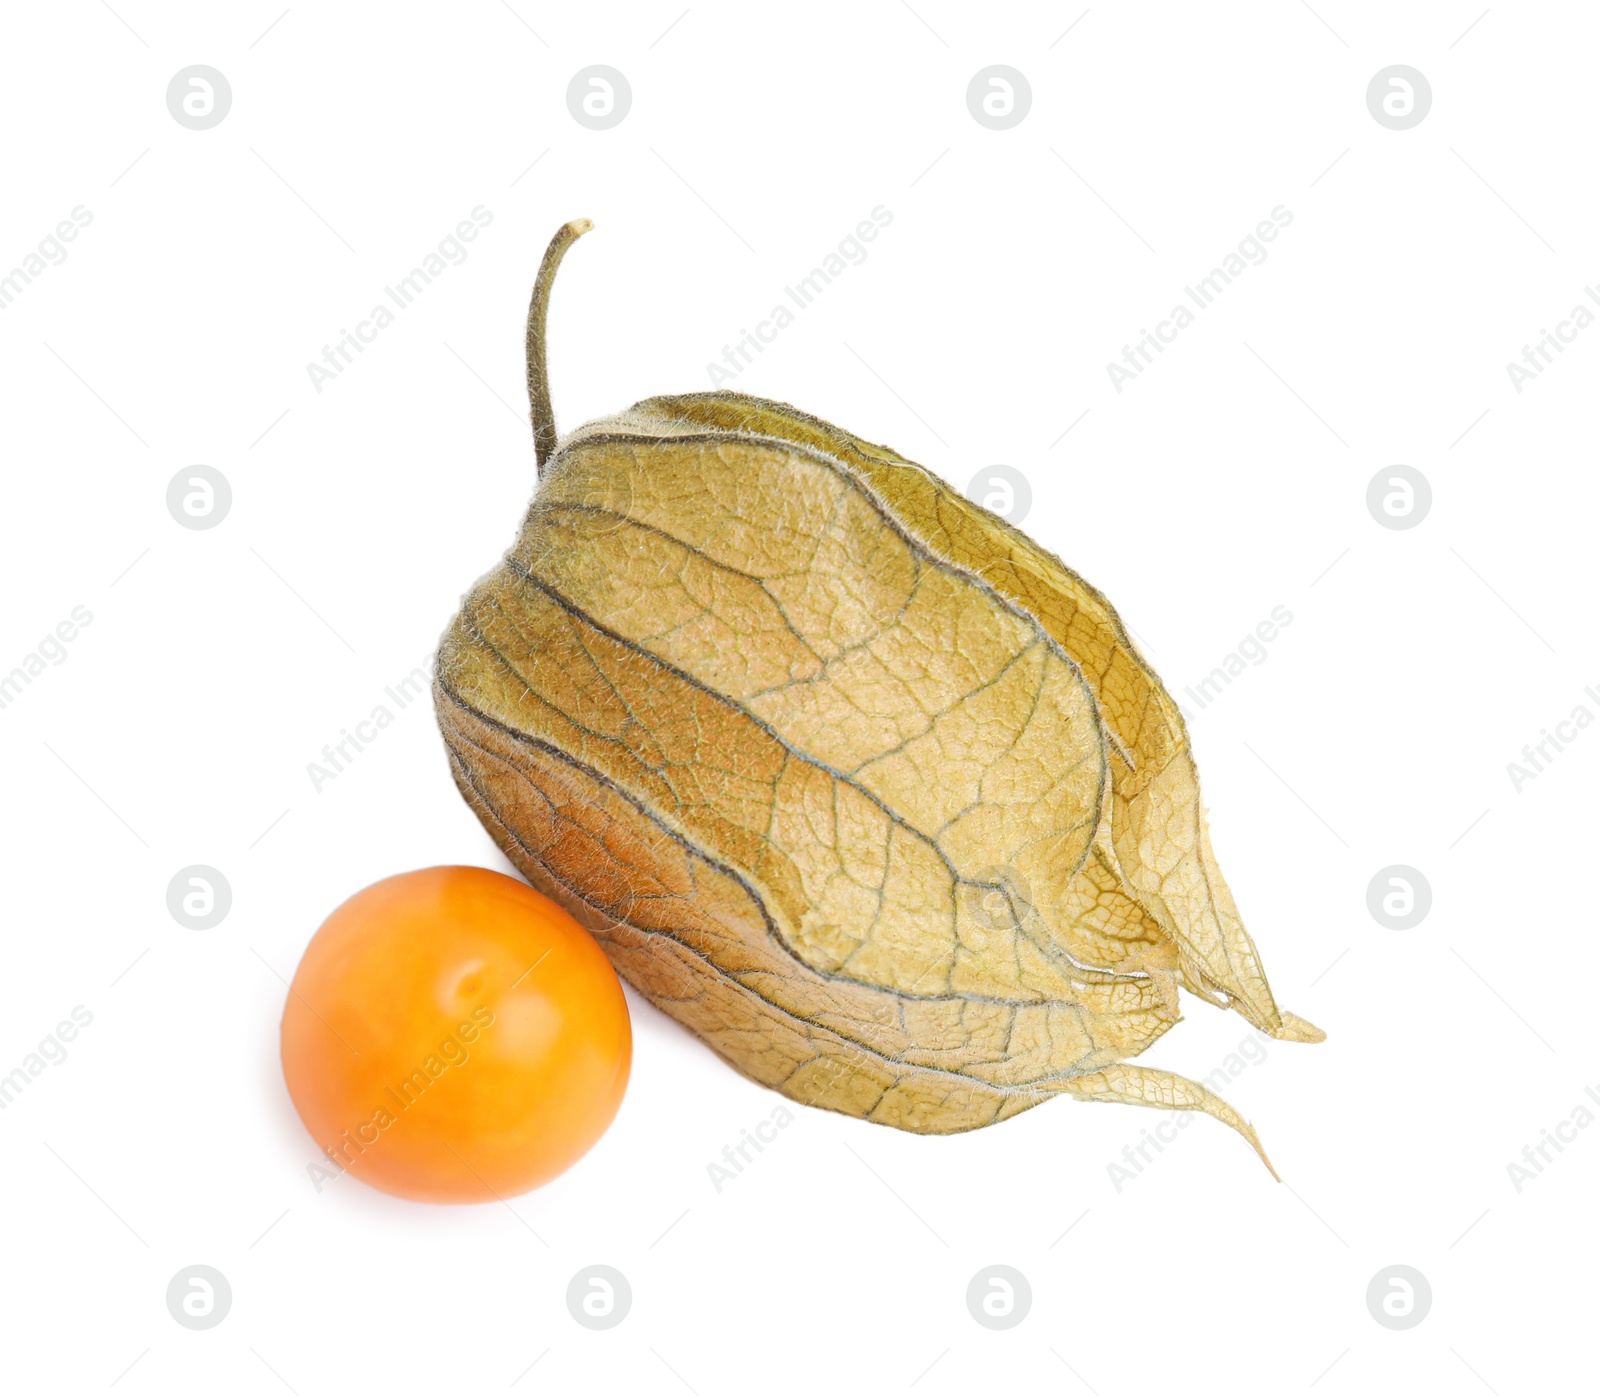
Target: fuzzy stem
{"points": [[544, 417]]}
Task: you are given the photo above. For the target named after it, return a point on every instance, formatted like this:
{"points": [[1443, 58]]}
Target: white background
{"points": [[1229, 479]]}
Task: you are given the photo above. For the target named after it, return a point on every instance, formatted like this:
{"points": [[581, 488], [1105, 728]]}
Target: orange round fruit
{"points": [[452, 1035]]}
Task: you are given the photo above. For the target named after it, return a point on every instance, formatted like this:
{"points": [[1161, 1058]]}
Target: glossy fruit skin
{"points": [[452, 1035]]}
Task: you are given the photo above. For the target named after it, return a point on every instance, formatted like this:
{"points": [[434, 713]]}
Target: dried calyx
{"points": [[846, 774]]}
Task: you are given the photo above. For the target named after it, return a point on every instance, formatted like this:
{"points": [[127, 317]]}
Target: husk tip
{"points": [[1296, 1029], [1251, 1138]]}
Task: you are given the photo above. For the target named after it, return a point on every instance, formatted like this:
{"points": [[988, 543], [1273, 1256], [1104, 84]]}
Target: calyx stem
{"points": [[544, 417]]}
